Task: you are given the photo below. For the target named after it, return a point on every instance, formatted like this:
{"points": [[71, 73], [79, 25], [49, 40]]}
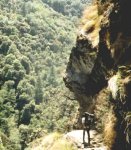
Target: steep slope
{"points": [[73, 9], [99, 67], [53, 141], [34, 45]]}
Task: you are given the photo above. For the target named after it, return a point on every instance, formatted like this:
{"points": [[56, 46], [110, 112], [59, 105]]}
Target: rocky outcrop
{"points": [[101, 60]]}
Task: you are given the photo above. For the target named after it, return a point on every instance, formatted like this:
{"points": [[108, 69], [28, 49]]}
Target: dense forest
{"points": [[36, 37]]}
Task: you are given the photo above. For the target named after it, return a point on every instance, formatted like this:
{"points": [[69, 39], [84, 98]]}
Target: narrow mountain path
{"points": [[96, 140]]}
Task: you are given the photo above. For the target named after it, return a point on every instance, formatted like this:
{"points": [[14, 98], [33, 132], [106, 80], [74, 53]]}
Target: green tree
{"points": [[38, 91]]}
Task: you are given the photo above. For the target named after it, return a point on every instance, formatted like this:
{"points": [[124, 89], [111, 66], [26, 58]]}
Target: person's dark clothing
{"points": [[87, 121]]}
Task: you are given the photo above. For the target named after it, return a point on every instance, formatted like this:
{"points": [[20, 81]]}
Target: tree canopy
{"points": [[35, 40]]}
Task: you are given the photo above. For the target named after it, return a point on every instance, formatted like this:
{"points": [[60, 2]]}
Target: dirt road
{"points": [[96, 140]]}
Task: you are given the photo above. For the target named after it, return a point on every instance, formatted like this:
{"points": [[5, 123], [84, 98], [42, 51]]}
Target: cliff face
{"points": [[101, 60]]}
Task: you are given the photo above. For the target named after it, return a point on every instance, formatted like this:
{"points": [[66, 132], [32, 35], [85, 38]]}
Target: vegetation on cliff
{"points": [[98, 71]]}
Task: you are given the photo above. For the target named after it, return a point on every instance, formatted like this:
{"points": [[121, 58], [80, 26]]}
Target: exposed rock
{"points": [[102, 59]]}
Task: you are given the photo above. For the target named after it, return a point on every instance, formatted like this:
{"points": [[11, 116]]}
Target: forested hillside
{"points": [[73, 9], [35, 40]]}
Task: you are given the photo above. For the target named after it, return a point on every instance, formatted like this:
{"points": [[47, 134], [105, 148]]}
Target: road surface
{"points": [[96, 140]]}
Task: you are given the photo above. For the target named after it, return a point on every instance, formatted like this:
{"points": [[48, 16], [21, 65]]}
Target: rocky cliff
{"points": [[101, 61]]}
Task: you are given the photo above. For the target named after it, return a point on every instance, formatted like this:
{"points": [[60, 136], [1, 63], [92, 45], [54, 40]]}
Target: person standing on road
{"points": [[87, 122]]}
